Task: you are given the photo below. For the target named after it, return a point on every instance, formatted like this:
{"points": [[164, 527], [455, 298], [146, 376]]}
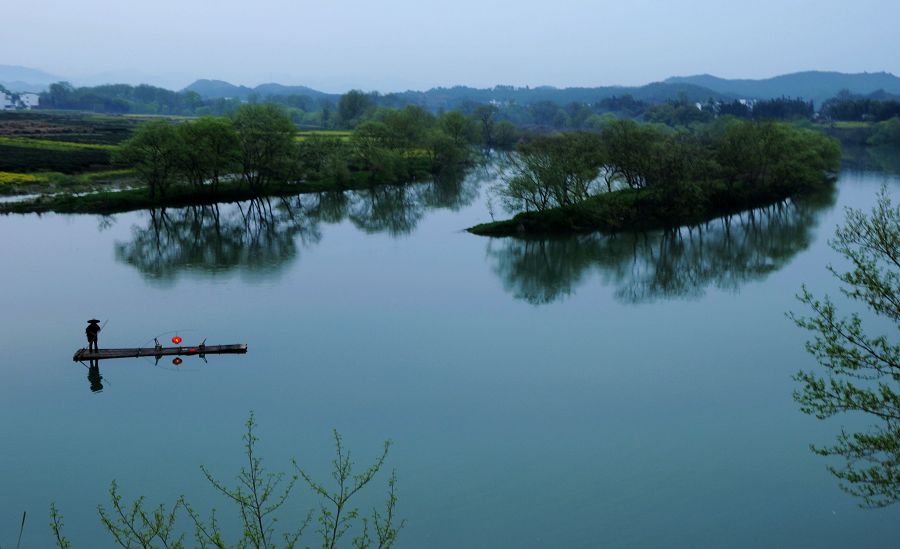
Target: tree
{"points": [[352, 106], [551, 172], [486, 117], [265, 137], [578, 113], [404, 128], [58, 95], [459, 128], [324, 158], [258, 496], [678, 113], [210, 151], [452, 140], [548, 113], [370, 143], [770, 154], [862, 371], [154, 152], [505, 134], [629, 149], [886, 133]]}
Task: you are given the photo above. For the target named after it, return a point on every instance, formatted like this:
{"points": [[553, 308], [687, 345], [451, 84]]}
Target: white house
{"points": [[29, 100]]}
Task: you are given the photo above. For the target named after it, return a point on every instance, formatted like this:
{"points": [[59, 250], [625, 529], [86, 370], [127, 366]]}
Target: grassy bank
{"points": [[110, 202], [642, 210]]}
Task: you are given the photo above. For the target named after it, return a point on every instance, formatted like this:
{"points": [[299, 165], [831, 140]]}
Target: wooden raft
{"points": [[102, 354]]}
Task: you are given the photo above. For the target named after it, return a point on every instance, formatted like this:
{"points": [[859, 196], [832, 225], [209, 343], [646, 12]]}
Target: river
{"points": [[569, 392]]}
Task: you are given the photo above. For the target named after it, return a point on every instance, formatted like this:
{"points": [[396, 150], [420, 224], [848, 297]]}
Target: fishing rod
{"points": [[21, 529]]}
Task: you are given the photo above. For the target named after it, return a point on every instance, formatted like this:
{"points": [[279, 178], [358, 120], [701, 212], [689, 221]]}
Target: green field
{"points": [[69, 127], [37, 157], [852, 125], [342, 135], [13, 178], [53, 151], [52, 144]]}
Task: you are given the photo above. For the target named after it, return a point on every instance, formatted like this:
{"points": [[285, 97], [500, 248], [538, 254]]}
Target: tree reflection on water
{"points": [[255, 236], [264, 235], [680, 263]]}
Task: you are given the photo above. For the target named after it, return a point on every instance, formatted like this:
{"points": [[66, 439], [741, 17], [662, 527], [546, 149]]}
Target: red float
{"points": [[177, 361], [176, 340]]}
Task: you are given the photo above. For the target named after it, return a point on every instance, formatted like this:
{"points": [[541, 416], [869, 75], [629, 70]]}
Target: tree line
{"points": [[350, 109], [846, 107], [257, 146]]}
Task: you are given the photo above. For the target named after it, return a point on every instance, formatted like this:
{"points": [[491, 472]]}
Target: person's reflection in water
{"points": [[94, 376]]}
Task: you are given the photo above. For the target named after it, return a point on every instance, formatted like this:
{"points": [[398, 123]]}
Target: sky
{"points": [[394, 45]]}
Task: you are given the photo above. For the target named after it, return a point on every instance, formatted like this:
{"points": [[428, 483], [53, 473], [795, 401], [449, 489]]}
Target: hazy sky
{"points": [[393, 45]]}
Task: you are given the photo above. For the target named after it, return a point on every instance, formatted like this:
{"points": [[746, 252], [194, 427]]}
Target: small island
{"points": [[633, 176]]}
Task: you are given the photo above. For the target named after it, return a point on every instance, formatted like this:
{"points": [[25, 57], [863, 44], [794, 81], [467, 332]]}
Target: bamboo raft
{"points": [[159, 351]]}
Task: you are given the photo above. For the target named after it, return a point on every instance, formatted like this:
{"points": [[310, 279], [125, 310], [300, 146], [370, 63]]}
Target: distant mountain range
{"points": [[815, 85], [23, 79], [451, 98], [215, 89]]}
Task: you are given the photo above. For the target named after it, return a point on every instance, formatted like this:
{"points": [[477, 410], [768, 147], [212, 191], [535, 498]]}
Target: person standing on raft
{"points": [[92, 330]]}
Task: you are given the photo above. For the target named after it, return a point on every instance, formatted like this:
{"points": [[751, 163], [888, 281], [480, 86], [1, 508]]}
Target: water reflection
{"points": [[873, 159], [454, 190], [255, 235], [94, 376], [681, 263], [394, 210], [262, 236]]}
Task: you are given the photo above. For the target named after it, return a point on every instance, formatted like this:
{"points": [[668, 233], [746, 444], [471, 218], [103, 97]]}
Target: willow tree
{"points": [[153, 152], [551, 172], [210, 152], [265, 135], [861, 370]]}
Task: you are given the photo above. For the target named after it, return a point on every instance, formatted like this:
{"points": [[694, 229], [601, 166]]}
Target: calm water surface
{"points": [[567, 392]]}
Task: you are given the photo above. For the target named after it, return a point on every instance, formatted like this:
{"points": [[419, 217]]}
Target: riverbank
{"points": [[119, 201], [631, 210], [254, 153]]}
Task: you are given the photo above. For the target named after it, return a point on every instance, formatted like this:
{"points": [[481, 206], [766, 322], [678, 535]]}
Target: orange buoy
{"points": [[177, 361], [176, 340]]}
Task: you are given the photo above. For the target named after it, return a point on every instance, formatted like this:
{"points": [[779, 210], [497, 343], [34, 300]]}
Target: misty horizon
{"points": [[399, 45], [110, 77]]}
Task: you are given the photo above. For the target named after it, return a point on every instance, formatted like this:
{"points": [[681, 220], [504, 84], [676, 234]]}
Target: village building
{"points": [[11, 101], [29, 100]]}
